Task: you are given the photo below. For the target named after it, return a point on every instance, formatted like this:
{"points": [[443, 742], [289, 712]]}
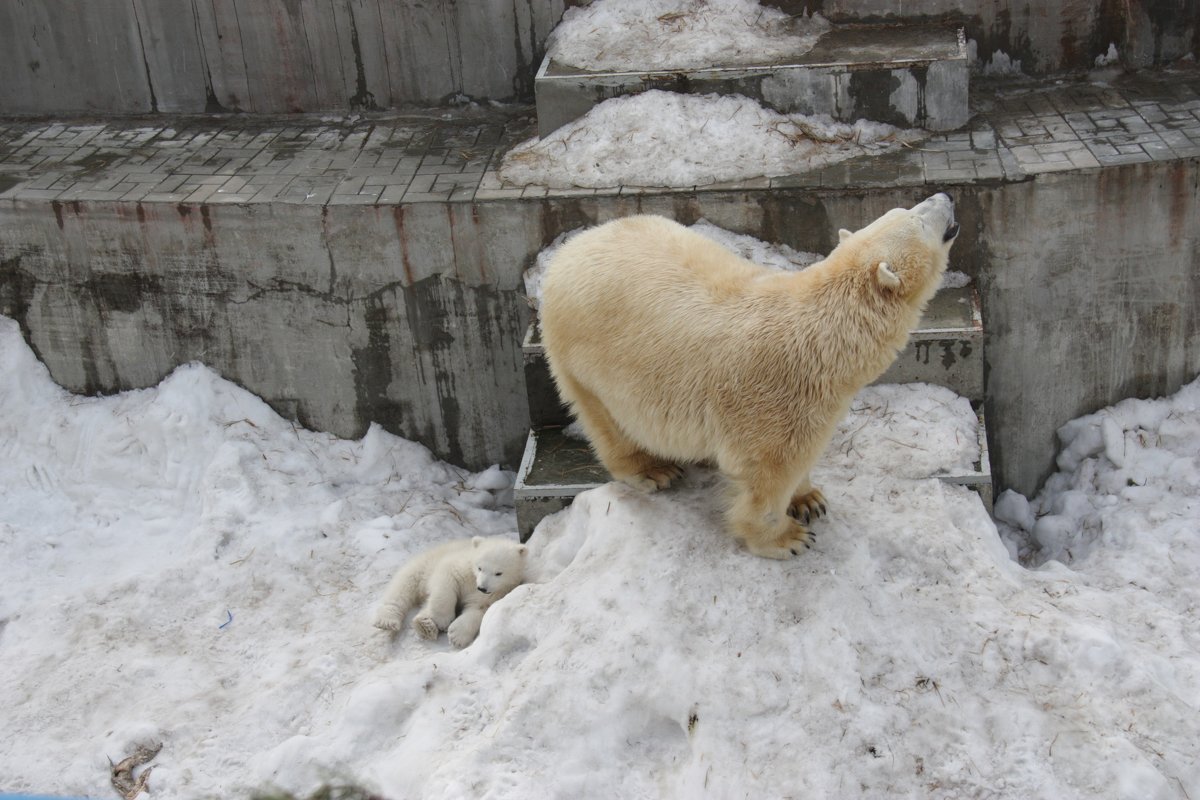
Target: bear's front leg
{"points": [[807, 503], [437, 613], [759, 515], [464, 629]]}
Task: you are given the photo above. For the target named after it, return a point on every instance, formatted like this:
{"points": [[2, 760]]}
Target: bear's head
{"points": [[904, 252], [499, 565]]}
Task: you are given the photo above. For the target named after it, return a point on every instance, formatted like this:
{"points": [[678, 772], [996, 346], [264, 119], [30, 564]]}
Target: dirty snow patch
{"points": [[642, 35], [665, 139]]}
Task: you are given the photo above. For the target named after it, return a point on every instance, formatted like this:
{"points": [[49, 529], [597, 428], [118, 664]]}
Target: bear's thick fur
{"points": [[672, 349], [457, 582]]}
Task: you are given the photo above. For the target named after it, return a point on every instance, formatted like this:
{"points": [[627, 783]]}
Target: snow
{"points": [[644, 35], [664, 139], [1127, 480], [905, 655]]}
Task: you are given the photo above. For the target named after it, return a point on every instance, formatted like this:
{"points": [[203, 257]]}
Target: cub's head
{"points": [[904, 252], [499, 565]]}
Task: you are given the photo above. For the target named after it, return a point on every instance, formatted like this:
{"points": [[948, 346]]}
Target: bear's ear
{"points": [[476, 541], [887, 279], [522, 550], [843, 235]]}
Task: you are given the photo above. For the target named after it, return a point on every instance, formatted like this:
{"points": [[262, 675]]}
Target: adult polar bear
{"points": [[672, 349]]}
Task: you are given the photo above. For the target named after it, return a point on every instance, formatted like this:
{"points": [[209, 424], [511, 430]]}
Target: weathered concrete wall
{"points": [[411, 315], [406, 316], [1091, 295], [139, 56], [1045, 36]]}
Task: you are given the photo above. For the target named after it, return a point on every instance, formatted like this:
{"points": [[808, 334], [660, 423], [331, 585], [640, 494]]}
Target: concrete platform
{"points": [[906, 75], [451, 155], [557, 468]]}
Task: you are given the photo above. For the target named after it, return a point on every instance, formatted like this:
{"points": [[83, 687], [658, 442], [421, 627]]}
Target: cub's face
{"points": [[499, 566], [907, 249]]}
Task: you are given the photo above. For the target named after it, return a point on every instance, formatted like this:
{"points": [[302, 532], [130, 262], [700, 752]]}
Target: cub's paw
{"points": [[461, 633], [425, 627], [797, 539], [389, 617], [807, 506]]}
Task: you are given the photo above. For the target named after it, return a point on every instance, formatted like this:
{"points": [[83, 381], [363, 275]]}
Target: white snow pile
{"points": [[666, 139], [645, 35], [1126, 490], [905, 655]]}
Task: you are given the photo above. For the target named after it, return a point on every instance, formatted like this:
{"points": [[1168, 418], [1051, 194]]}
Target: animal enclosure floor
{"points": [[1017, 130]]}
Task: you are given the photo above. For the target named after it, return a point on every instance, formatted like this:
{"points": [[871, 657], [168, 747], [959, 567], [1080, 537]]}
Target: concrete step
{"points": [[946, 349], [905, 75], [557, 467]]}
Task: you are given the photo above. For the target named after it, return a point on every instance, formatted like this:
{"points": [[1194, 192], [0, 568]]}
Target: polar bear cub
{"points": [[671, 349], [456, 582]]}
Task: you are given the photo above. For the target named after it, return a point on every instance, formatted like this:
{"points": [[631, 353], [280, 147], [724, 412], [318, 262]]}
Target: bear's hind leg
{"points": [[759, 515], [438, 612], [620, 455]]}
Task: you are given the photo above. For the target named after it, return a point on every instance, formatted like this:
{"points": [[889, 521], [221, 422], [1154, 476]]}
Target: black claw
{"points": [[793, 550], [823, 511]]}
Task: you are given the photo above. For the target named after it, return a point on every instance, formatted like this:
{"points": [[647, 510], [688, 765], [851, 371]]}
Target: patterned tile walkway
{"points": [[452, 156]]}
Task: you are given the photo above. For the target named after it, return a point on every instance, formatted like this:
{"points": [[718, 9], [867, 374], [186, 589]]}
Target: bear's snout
{"points": [[483, 589]]}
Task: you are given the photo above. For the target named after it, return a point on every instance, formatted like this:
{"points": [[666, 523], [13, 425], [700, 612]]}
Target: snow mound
{"points": [[905, 655], [665, 139], [1127, 486], [642, 35], [180, 565], [133, 528]]}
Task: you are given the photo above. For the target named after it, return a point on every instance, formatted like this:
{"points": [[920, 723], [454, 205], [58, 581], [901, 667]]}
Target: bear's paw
{"points": [[389, 617], [462, 632], [656, 477], [795, 541], [425, 627], [807, 506]]}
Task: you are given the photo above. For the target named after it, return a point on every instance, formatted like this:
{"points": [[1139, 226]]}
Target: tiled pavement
{"points": [[451, 156]]}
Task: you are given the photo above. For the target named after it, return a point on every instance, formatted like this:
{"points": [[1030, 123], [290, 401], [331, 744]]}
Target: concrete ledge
{"points": [[906, 75]]}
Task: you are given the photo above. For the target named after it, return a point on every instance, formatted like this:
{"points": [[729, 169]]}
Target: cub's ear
{"points": [[476, 541], [843, 235], [522, 550], [886, 278]]}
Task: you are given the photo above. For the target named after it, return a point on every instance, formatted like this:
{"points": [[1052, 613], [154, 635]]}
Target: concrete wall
{"points": [[267, 56], [1047, 36], [339, 316], [411, 316]]}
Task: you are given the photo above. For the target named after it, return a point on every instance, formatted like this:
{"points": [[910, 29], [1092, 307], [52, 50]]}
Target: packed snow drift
{"points": [[180, 566], [665, 139], [646, 35]]}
